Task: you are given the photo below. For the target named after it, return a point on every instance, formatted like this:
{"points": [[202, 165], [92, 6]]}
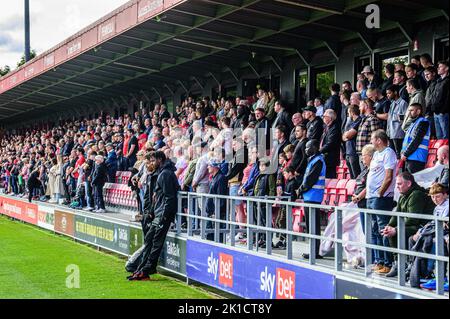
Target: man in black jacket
{"points": [[98, 179], [400, 80], [299, 158], [262, 129], [315, 123], [331, 142], [165, 207], [334, 102], [296, 120], [282, 118]]}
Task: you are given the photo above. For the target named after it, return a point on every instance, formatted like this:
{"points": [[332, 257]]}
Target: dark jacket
{"points": [[218, 186], [416, 200], [315, 129], [403, 93], [263, 126], [149, 191], [265, 185], [290, 189], [437, 95], [100, 175], [335, 104], [331, 143], [166, 189], [111, 164], [283, 118], [299, 158], [237, 165], [386, 83]]}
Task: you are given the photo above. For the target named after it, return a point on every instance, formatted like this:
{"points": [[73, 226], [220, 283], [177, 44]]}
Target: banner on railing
{"points": [[346, 289], [251, 276], [46, 217], [17, 209]]}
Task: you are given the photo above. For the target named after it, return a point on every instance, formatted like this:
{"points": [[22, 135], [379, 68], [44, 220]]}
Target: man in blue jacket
{"points": [[111, 162]]}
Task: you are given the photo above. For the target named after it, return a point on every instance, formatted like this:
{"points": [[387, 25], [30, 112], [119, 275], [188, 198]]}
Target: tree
{"points": [[5, 70], [22, 59]]}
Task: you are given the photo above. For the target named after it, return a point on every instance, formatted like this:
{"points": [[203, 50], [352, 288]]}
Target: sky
{"points": [[51, 22]]}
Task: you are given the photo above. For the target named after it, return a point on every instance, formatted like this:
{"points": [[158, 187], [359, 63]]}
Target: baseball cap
{"points": [[311, 108], [214, 163], [367, 69]]}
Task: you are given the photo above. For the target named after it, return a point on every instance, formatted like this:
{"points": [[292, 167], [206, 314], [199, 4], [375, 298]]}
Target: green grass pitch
{"points": [[33, 265]]}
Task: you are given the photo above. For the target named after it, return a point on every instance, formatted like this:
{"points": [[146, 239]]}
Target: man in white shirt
{"points": [[318, 103], [380, 195]]}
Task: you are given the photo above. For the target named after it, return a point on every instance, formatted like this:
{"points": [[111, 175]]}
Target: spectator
{"points": [[347, 86], [389, 70], [415, 144], [400, 81], [442, 101], [270, 111], [330, 143], [296, 120], [416, 96], [369, 124], [361, 88], [299, 158], [443, 159], [218, 186], [262, 130], [318, 103], [111, 162], [359, 195], [282, 117], [414, 199], [312, 188], [395, 118], [130, 148], [349, 137], [315, 123], [372, 80], [334, 103], [98, 180], [380, 196], [411, 71]]}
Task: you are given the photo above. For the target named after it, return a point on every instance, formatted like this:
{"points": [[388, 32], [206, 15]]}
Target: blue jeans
{"points": [[89, 198], [378, 222], [441, 123], [234, 192]]}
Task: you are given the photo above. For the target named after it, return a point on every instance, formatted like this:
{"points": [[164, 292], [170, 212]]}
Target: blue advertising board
{"points": [[252, 276]]}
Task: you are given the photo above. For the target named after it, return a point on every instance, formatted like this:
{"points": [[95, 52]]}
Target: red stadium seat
{"points": [[431, 160], [298, 215], [351, 184]]}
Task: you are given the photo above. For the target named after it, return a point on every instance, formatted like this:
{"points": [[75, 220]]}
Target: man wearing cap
{"points": [[371, 78], [315, 123], [218, 186]]}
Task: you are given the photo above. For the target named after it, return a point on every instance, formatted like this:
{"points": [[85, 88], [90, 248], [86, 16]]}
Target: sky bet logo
{"points": [[285, 283], [222, 267]]}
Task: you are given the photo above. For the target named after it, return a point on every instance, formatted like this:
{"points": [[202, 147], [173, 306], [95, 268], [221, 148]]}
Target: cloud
{"points": [[9, 44]]}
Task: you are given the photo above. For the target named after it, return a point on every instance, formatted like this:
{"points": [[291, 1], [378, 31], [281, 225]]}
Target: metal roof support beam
{"points": [[277, 63], [183, 86], [145, 95], [215, 77], [169, 89], [323, 6], [157, 92], [233, 73], [368, 40], [124, 101], [304, 55], [254, 69], [445, 14], [202, 86], [407, 30], [334, 48]]}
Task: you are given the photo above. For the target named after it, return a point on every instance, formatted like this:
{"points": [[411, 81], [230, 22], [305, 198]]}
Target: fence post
{"points": [[368, 233], [189, 219], [203, 223], [216, 224], [249, 225], [440, 266], [289, 228], [268, 224], [312, 231], [401, 258], [232, 214], [337, 245], [180, 210]]}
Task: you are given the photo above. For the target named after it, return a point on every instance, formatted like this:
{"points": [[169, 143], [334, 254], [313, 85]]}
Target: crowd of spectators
{"points": [[244, 147]]}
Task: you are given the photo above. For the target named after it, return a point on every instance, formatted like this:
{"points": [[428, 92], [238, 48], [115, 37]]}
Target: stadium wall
{"points": [[242, 273]]}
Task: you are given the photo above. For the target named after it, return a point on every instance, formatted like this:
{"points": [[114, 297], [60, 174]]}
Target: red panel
{"points": [[2, 86], [89, 39], [169, 3], [107, 29], [126, 18], [149, 8], [61, 54], [39, 66], [74, 47]]}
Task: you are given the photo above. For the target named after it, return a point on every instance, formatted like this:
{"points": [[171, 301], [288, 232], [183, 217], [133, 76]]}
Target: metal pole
{"points": [[27, 30], [338, 235]]}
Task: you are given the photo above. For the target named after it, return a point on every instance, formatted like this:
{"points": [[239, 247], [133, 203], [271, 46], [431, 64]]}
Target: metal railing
{"points": [[198, 223]]}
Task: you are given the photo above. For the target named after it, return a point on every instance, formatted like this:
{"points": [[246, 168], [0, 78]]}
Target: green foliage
{"points": [[33, 265], [22, 59], [323, 82], [5, 70]]}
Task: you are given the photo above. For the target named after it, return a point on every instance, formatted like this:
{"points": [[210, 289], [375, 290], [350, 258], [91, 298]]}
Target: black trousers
{"points": [[331, 170], [154, 243], [316, 225], [98, 197], [353, 165], [396, 144], [414, 166]]}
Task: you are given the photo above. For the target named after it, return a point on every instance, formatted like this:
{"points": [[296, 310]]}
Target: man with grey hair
{"points": [[331, 142], [98, 179], [297, 119]]}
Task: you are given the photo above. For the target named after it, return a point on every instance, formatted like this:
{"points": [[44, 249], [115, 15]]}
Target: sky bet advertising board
{"points": [[251, 276]]}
